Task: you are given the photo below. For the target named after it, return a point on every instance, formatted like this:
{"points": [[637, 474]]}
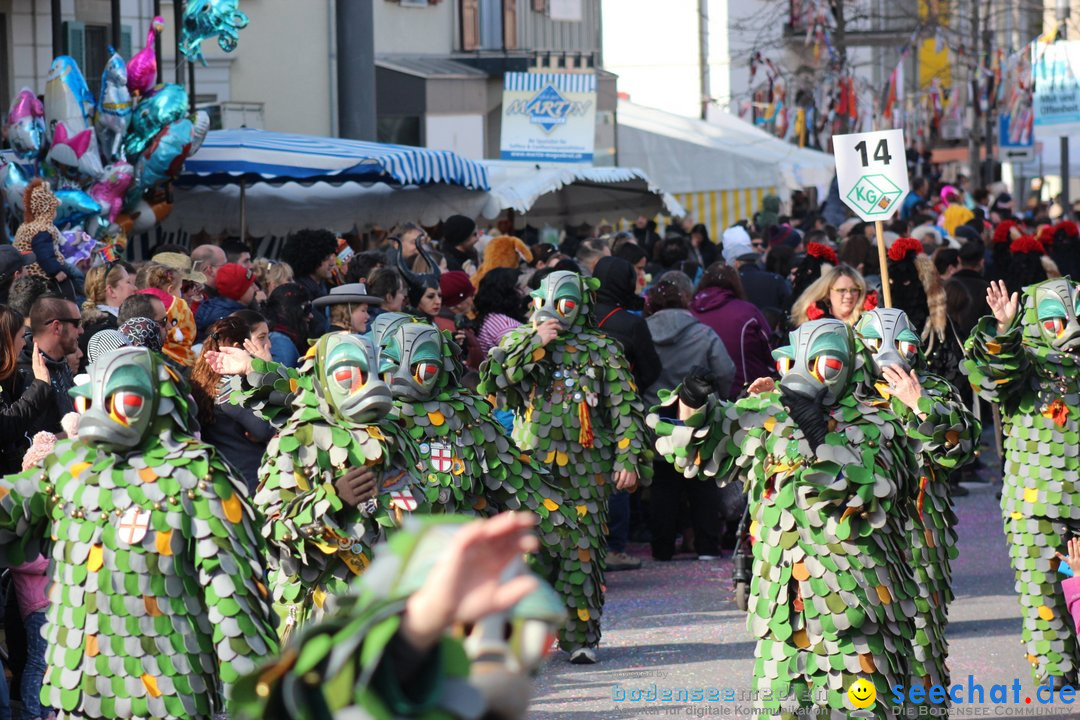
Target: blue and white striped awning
{"points": [[228, 157]]}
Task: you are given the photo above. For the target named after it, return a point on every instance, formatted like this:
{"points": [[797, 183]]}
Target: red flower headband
{"points": [[822, 252], [902, 246], [1026, 244], [1002, 233], [1067, 228]]}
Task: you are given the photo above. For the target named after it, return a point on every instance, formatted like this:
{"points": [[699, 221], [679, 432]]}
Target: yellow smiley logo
{"points": [[862, 693]]}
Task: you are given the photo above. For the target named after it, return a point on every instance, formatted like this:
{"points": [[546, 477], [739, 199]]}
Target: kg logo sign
{"points": [[875, 195]]}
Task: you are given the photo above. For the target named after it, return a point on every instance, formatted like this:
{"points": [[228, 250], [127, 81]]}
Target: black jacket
{"points": [[612, 314], [765, 289], [24, 404], [241, 437], [62, 381], [976, 286]]}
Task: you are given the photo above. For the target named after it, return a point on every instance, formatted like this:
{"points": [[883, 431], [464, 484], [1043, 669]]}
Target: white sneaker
{"points": [[621, 561], [708, 557], [583, 656]]}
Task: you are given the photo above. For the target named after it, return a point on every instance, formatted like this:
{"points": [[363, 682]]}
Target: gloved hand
{"points": [[808, 413], [698, 384], [356, 486]]}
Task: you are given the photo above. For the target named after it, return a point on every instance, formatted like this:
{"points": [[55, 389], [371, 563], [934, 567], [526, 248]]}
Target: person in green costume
{"points": [[337, 475], [1024, 359], [158, 604], [943, 434], [579, 412], [474, 468], [831, 597], [386, 652]]}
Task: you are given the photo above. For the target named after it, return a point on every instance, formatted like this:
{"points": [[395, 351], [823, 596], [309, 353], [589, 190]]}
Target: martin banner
{"points": [[549, 117]]}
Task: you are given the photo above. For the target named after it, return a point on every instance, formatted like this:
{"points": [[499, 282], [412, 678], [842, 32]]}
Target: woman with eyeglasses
{"points": [[839, 293], [106, 287], [25, 398]]}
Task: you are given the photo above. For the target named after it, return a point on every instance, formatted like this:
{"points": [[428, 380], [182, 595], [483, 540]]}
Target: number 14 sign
{"points": [[871, 172]]}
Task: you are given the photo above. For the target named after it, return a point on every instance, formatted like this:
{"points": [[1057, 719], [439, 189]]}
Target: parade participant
{"points": [[1024, 359], [943, 434], [337, 474], [579, 411], [831, 596], [388, 652], [473, 468], [38, 236], [157, 604]]}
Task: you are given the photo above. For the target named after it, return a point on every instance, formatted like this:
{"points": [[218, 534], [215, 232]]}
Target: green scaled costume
{"points": [[1031, 372], [332, 415], [340, 667], [474, 467], [578, 411], [831, 597], [943, 435], [157, 605]]}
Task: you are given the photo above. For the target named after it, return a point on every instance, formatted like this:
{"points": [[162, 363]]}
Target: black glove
{"points": [[808, 414], [698, 384], [356, 486]]}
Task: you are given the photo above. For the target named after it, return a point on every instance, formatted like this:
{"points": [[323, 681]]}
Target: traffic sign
{"points": [[871, 172]]}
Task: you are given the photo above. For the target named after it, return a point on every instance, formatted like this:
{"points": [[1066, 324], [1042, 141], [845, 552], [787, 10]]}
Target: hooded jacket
{"points": [[612, 313], [743, 330], [682, 342]]}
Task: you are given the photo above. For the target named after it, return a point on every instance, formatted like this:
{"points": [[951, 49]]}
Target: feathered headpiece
{"points": [[902, 246], [1026, 244], [822, 252]]}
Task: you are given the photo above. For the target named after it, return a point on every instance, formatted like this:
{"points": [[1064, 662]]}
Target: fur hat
{"points": [[504, 251]]}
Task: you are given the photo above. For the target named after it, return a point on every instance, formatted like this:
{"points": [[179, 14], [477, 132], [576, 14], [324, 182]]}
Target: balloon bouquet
{"points": [[109, 158]]}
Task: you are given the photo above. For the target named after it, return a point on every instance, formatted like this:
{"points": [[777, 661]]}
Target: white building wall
{"points": [[405, 30]]}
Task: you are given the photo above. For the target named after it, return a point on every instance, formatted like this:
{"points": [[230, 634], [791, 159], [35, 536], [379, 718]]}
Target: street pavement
{"points": [[676, 625]]}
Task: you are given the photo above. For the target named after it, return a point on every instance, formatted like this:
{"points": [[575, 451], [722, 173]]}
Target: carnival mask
{"points": [[346, 364], [411, 360], [889, 339], [119, 401], [559, 297], [1057, 304], [821, 355]]}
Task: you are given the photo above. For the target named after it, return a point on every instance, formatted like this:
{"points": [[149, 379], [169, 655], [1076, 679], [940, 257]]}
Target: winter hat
{"points": [[783, 235], [102, 342], [455, 288], [736, 234], [504, 251], [457, 229], [11, 260], [233, 280], [737, 250], [165, 298], [142, 332]]}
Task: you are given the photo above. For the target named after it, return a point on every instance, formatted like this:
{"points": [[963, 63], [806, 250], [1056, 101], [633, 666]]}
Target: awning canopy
{"points": [[543, 195], [687, 155], [229, 157]]}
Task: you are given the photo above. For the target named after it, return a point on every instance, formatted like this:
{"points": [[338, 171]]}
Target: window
{"points": [[488, 24], [89, 46]]}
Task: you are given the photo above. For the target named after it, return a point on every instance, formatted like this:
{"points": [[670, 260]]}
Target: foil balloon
{"points": [[26, 126], [142, 67], [113, 108], [75, 156], [204, 19], [111, 188], [13, 181], [163, 158], [77, 245], [142, 217], [76, 207], [166, 104], [67, 97], [201, 121]]}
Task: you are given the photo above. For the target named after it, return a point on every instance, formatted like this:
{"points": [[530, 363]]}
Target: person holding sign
{"points": [[1024, 358]]}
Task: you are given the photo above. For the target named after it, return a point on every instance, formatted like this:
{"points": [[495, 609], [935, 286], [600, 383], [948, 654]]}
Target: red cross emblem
{"points": [[133, 525], [442, 458], [403, 499]]}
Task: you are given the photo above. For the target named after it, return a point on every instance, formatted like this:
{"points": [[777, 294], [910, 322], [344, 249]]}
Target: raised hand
{"points": [[38, 366], [548, 330], [1073, 558], [229, 361], [904, 385], [261, 351], [1003, 305], [466, 584], [761, 385]]}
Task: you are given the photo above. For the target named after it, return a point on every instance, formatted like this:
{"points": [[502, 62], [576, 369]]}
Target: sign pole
{"points": [[883, 261]]}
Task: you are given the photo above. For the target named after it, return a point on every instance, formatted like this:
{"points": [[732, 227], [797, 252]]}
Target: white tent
{"points": [[719, 169], [560, 194]]}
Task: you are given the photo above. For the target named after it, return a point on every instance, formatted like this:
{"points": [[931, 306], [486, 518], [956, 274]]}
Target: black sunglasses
{"points": [[74, 321]]}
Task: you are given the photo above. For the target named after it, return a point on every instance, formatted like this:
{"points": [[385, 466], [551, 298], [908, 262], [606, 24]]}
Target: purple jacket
{"points": [[743, 330]]}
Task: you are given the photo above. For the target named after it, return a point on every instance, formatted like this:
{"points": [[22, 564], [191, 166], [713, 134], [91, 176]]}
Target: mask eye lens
{"points": [[826, 368], [538, 302], [565, 306], [1055, 326], [873, 344], [82, 404], [125, 407], [349, 378], [783, 365], [425, 372], [906, 349]]}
